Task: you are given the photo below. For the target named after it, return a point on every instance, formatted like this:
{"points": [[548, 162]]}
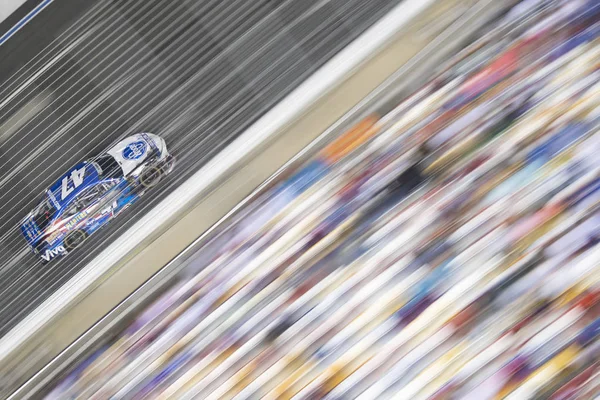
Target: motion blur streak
{"points": [[201, 72], [447, 247]]}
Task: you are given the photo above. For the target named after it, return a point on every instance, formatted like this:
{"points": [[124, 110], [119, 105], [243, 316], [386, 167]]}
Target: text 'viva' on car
{"points": [[94, 192]]}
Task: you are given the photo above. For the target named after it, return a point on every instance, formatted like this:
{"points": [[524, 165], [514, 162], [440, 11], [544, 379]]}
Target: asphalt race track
{"points": [[198, 73]]}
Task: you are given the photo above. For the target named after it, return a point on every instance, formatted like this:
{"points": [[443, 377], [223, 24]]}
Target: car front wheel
{"points": [[151, 176]]}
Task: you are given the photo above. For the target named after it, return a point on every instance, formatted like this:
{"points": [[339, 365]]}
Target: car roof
{"points": [[73, 182]]}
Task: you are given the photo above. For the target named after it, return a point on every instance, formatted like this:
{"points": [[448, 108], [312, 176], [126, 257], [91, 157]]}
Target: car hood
{"points": [[132, 151]]}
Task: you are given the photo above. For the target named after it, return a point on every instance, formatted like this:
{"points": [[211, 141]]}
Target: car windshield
{"points": [[43, 214], [109, 166]]}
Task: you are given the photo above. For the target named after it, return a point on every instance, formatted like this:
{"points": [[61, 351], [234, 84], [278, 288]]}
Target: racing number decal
{"points": [[77, 178]]}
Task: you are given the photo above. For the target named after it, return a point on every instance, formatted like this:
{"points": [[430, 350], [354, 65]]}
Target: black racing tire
{"points": [[151, 176], [74, 239]]}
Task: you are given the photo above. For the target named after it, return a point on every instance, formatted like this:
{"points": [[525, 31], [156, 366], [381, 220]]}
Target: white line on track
{"points": [[24, 21]]}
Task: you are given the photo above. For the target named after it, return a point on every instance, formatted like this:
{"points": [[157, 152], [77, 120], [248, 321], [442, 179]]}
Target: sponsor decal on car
{"points": [[52, 198], [49, 254], [53, 236], [77, 219], [134, 150]]}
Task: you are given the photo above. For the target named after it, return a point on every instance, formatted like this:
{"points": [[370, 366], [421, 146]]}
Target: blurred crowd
{"points": [[446, 250]]}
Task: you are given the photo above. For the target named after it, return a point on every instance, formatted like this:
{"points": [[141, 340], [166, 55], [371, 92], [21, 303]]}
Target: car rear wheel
{"points": [[74, 239], [150, 176]]}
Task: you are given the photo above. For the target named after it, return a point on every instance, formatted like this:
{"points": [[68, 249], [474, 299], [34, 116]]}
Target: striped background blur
{"points": [[446, 250]]}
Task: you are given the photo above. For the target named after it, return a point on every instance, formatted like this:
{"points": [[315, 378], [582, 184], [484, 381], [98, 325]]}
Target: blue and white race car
{"points": [[94, 192]]}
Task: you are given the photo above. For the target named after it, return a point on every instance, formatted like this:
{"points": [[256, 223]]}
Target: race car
{"points": [[94, 192]]}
